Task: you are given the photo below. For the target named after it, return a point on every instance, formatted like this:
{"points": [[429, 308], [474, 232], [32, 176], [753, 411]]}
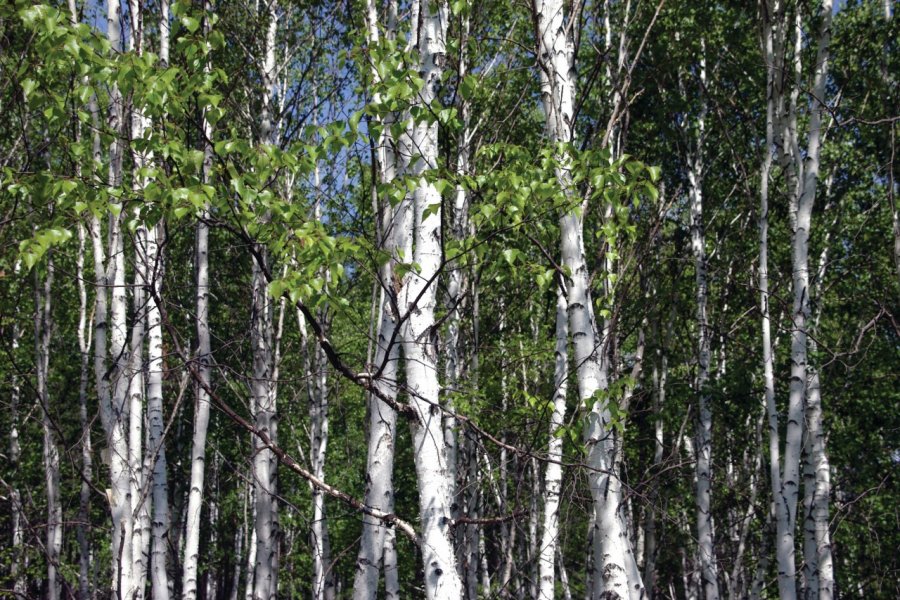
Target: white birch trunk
{"points": [[553, 473], [507, 530], [323, 584], [84, 346], [238, 555], [17, 566], [135, 375], [264, 462], [135, 370], [456, 283], [204, 359], [212, 574], [391, 573], [43, 325], [156, 420], [468, 494], [557, 56], [802, 180], [532, 550], [151, 266], [784, 547], [419, 296], [117, 409], [251, 542], [813, 428], [380, 459], [659, 376], [323, 578], [382, 417], [819, 458], [705, 536], [265, 579]]}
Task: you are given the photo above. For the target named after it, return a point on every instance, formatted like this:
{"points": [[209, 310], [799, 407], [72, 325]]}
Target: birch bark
{"points": [[156, 420], [802, 176], [421, 224], [17, 568], [84, 345], [382, 417], [456, 283], [323, 580], [822, 580], [114, 395], [262, 387], [810, 573], [204, 352], [135, 368], [557, 58], [813, 399], [553, 473], [323, 584], [659, 377], [135, 408], [43, 325], [705, 536], [155, 460], [771, 18]]}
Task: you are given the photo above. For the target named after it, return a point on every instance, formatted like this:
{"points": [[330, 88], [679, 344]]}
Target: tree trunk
{"points": [[135, 375], [264, 461], [553, 473], [557, 55], [204, 360], [156, 448], [784, 547], [265, 464], [382, 417], [323, 584], [43, 325], [135, 370], [799, 346], [113, 403], [659, 377], [705, 536], [84, 346], [17, 566], [456, 284], [421, 240], [251, 541]]}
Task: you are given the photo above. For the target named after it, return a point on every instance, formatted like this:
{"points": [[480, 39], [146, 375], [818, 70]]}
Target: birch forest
{"points": [[449, 299]]}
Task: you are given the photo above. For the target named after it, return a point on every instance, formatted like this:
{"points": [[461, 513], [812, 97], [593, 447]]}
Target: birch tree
{"points": [[382, 416], [420, 239], [110, 322], [265, 464], [556, 53], [201, 408], [802, 179], [206, 160], [553, 473], [17, 542], [43, 326], [704, 426], [156, 420]]}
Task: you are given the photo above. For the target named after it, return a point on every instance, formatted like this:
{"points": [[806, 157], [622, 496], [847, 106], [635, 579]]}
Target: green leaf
{"points": [[190, 23], [468, 86], [28, 86], [431, 209]]}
